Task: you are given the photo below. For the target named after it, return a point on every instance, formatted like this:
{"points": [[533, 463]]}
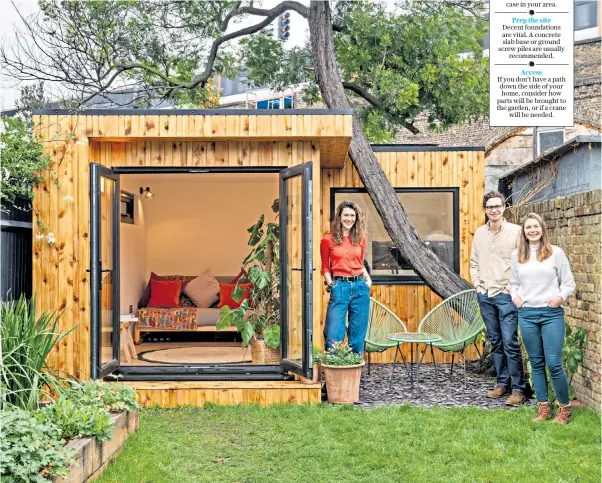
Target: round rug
{"points": [[198, 355]]}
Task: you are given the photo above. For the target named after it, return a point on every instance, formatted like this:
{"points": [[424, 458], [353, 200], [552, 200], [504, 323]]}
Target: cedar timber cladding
{"points": [[430, 167], [219, 138], [157, 138]]}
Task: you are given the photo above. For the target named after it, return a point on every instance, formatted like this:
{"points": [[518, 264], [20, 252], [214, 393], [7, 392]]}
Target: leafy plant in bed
{"points": [[258, 317], [26, 341]]}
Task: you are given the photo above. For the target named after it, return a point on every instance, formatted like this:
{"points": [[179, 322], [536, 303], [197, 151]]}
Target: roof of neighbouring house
{"points": [[551, 154]]}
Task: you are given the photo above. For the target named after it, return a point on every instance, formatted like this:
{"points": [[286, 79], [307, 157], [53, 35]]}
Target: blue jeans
{"points": [[351, 298], [542, 330], [501, 321]]}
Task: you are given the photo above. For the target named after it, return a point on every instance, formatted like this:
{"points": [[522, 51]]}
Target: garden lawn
{"points": [[346, 444]]}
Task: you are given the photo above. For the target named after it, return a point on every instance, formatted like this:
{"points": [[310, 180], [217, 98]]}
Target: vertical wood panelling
{"points": [[59, 272], [444, 169]]}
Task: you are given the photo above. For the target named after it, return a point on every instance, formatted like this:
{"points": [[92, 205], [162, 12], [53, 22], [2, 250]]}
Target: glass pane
{"points": [[107, 195], [431, 214], [585, 15], [294, 249]]}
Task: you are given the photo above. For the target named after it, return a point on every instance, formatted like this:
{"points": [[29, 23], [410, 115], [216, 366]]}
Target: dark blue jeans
{"points": [[351, 298], [542, 330], [501, 320]]}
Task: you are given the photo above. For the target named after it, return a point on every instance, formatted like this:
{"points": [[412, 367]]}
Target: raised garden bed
{"points": [[91, 456]]}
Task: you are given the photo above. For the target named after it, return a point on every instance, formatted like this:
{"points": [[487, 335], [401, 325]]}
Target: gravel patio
{"points": [[377, 389]]}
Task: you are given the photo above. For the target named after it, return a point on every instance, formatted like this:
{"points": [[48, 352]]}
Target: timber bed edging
{"points": [[92, 457]]}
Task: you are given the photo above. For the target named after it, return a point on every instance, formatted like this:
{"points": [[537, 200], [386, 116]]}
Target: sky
{"points": [[9, 18]]}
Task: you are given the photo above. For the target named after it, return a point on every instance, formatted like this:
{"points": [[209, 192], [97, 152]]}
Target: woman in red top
{"points": [[348, 282]]}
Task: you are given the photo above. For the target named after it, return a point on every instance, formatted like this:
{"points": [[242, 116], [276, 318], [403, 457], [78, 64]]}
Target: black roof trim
{"points": [[198, 112], [384, 148]]}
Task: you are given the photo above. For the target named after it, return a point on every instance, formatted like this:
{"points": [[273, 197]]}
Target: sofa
{"points": [[187, 317]]}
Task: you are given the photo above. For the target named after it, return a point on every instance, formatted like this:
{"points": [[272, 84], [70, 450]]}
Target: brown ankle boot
{"points": [[543, 412], [564, 414]]}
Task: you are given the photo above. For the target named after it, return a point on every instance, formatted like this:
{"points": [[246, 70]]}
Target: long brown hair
{"points": [[544, 251], [358, 230]]}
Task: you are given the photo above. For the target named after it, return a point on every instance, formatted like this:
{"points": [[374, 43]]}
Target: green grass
{"points": [[346, 444]]}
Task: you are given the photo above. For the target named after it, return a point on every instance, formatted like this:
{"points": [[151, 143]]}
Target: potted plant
{"points": [[316, 358], [258, 317], [342, 371]]}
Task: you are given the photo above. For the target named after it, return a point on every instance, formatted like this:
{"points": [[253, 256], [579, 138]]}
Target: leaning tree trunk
{"points": [[437, 275]]}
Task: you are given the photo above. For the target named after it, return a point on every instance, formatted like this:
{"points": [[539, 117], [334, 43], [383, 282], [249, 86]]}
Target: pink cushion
{"points": [[203, 290]]}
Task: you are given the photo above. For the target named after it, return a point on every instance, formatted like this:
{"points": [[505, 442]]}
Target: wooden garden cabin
{"points": [[307, 151]]}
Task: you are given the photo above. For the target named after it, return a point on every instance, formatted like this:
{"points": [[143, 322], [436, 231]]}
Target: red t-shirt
{"points": [[344, 259]]}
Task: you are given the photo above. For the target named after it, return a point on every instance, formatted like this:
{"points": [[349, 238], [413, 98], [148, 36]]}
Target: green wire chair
{"points": [[382, 324], [458, 321]]}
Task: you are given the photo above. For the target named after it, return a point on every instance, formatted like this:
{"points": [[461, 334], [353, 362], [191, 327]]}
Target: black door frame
{"points": [[97, 370], [305, 172], [200, 372]]}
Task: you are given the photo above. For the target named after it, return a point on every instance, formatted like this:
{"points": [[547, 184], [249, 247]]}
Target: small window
{"points": [[127, 208], [275, 103], [549, 139], [586, 14], [434, 213]]}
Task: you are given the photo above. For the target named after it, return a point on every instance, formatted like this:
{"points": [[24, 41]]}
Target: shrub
{"points": [[111, 397], [340, 354], [74, 421], [575, 339], [26, 342], [31, 450], [23, 159]]}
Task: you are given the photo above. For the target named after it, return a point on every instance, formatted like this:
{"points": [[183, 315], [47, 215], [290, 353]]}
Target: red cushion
{"points": [[165, 294], [146, 296], [243, 274], [225, 294]]}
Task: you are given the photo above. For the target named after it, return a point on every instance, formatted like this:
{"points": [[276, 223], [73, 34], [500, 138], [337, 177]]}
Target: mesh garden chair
{"points": [[382, 324], [458, 321]]}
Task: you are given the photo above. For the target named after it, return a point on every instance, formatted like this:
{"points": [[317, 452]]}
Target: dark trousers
{"points": [[501, 320]]}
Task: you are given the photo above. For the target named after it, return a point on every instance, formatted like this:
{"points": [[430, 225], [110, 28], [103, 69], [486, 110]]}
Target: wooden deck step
{"points": [[170, 394]]}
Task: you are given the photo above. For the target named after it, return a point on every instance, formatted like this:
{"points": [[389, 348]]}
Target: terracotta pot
{"points": [[316, 377], [343, 383]]}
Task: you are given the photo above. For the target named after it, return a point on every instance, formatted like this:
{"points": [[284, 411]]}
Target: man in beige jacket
{"points": [[490, 272]]}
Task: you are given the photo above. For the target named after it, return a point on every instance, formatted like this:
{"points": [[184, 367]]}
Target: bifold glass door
{"points": [[104, 270], [296, 269]]}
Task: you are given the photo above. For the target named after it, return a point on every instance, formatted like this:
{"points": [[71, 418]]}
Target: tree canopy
{"points": [[394, 62]]}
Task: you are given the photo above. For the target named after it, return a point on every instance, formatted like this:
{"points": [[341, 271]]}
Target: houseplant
{"points": [[342, 371], [316, 358], [258, 317]]}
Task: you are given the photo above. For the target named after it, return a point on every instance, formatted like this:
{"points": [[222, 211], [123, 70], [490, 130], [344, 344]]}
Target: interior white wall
{"points": [[193, 223], [132, 251]]}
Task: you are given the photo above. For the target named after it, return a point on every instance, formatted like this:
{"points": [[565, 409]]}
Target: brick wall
{"points": [[573, 223]]}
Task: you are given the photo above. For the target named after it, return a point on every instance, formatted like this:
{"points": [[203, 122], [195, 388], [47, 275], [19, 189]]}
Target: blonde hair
{"points": [[358, 230], [544, 251]]}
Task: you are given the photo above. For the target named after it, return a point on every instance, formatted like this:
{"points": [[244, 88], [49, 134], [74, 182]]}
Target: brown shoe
{"points": [[516, 399], [543, 412], [497, 392], [564, 414]]}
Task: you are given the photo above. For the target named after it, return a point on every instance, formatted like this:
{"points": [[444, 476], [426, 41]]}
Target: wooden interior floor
{"points": [[150, 346]]}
